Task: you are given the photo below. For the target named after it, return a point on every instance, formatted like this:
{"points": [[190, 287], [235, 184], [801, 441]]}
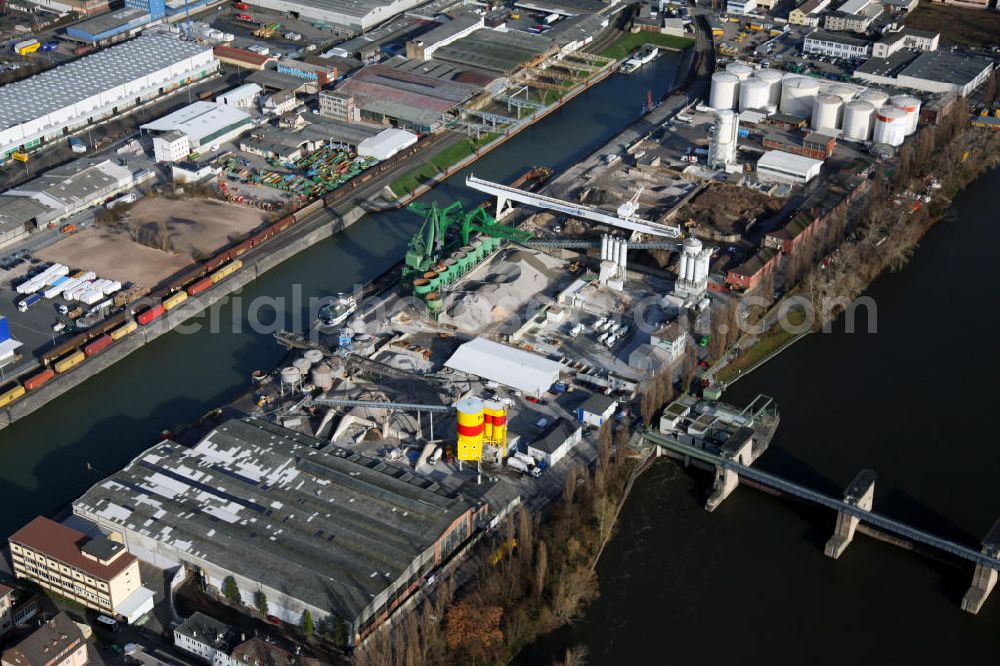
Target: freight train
{"points": [[200, 278]]}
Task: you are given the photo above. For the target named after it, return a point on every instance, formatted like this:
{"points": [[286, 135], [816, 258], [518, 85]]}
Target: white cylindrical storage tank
{"points": [[723, 94], [826, 112], [604, 247], [876, 98], [911, 105], [858, 117], [845, 93], [772, 78], [622, 253], [682, 269], [322, 376], [313, 355], [890, 126], [290, 376], [742, 72], [302, 365], [754, 94], [797, 96]]}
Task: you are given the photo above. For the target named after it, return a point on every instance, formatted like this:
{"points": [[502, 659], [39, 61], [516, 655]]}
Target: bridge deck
{"points": [[884, 523], [574, 209]]}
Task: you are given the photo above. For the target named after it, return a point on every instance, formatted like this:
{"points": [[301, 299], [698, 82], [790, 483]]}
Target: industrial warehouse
{"points": [[59, 101], [311, 525], [355, 14]]}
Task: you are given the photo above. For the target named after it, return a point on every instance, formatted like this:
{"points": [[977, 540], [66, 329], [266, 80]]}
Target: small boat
{"points": [[336, 312], [644, 55]]}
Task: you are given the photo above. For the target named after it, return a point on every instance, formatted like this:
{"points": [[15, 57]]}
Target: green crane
{"points": [[428, 244]]}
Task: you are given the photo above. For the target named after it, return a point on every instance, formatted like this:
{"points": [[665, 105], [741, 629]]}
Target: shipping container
{"points": [[152, 314], [69, 361], [98, 345], [226, 271], [123, 330], [199, 286], [171, 302], [10, 395], [36, 380]]}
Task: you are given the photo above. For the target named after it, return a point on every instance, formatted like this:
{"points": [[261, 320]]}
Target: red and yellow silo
{"points": [[471, 427], [495, 417]]}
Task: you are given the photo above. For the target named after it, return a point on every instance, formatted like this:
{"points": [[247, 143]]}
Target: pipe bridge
{"points": [[854, 508], [506, 194]]}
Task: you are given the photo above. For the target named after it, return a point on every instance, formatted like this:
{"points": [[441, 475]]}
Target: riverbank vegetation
{"points": [[889, 227], [526, 580], [831, 269]]}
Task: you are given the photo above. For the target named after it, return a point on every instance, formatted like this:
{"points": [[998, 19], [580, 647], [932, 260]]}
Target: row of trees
{"points": [[887, 234]]}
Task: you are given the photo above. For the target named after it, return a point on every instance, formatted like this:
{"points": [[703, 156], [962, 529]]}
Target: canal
{"points": [[113, 416], [749, 583]]}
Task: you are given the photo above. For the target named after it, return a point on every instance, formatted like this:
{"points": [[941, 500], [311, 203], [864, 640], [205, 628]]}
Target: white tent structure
{"points": [[515, 368], [386, 143]]}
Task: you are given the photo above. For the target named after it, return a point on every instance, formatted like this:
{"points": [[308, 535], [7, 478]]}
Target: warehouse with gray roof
{"points": [[310, 524], [49, 105], [355, 14]]}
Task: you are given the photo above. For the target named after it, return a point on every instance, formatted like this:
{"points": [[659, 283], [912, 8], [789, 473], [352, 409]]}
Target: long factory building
{"points": [[62, 100], [308, 523]]}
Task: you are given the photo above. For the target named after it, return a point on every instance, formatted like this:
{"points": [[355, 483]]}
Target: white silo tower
{"points": [[772, 78], [722, 144], [797, 96], [890, 126], [741, 70], [754, 94], [723, 94], [826, 112], [858, 120], [911, 105]]}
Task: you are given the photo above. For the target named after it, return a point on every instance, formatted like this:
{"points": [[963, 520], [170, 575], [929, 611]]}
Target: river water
{"points": [[749, 583], [115, 415]]}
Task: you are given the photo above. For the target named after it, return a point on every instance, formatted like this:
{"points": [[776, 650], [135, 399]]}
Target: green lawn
{"points": [[771, 341], [633, 40], [413, 178]]}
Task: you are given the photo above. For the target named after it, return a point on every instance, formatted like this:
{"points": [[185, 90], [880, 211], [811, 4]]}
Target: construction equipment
{"points": [[431, 243]]}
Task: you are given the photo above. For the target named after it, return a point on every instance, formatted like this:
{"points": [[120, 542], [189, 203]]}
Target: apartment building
{"points": [[96, 572], [58, 642], [808, 12]]}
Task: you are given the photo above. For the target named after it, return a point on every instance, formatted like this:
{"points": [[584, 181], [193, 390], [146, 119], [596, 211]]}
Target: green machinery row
{"points": [[450, 243]]}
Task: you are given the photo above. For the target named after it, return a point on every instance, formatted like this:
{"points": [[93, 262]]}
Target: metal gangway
{"points": [[506, 194], [884, 523]]}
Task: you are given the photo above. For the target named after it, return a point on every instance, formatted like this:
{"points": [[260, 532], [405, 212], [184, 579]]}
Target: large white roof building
{"points": [[516, 368], [96, 87], [779, 165], [203, 122], [358, 14]]}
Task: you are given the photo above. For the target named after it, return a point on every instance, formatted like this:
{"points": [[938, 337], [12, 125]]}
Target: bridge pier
{"points": [[860, 493], [739, 448], [984, 578]]}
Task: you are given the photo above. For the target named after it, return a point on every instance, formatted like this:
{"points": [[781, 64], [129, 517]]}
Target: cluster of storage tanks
{"points": [[479, 422], [310, 367], [870, 115]]}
